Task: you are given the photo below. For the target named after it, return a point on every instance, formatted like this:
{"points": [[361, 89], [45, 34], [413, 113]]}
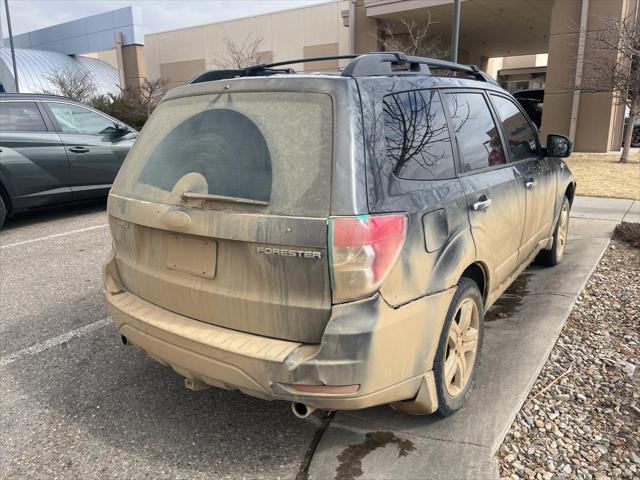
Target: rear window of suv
{"points": [[271, 148]]}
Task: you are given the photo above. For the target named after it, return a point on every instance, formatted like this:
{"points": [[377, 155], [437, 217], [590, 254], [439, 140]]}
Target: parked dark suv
{"points": [[54, 150], [331, 240], [532, 102], [635, 135]]}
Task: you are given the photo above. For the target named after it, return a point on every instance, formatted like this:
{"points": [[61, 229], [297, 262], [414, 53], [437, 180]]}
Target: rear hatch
{"points": [[220, 211]]}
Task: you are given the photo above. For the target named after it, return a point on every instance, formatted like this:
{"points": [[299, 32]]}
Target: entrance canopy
{"points": [[488, 28]]}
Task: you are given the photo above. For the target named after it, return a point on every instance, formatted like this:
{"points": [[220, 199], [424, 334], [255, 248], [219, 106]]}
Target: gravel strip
{"points": [[582, 416]]}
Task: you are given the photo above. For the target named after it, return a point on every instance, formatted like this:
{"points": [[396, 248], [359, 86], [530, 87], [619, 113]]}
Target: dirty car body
{"points": [[275, 234]]}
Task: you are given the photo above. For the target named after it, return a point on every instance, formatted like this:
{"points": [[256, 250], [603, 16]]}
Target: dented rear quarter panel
{"points": [[420, 270]]}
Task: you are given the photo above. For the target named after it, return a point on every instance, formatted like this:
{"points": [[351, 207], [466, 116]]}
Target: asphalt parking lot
{"points": [[76, 403]]}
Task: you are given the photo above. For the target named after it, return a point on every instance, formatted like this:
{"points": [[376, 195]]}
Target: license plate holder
{"points": [[193, 255]]}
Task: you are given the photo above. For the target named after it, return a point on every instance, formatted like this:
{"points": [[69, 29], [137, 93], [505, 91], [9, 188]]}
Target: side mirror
{"points": [[121, 130], [558, 146]]}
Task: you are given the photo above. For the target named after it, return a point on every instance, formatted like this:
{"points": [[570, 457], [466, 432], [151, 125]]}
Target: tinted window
{"points": [[80, 120], [21, 117], [417, 136], [520, 136], [270, 146], [233, 157], [478, 138]]}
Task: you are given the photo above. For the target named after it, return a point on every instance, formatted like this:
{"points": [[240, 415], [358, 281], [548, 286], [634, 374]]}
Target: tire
{"points": [[453, 390], [3, 211], [554, 256]]}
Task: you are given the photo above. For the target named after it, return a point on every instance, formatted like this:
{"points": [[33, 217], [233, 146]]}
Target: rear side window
{"points": [[21, 117], [520, 136], [273, 148], [478, 138], [417, 136]]}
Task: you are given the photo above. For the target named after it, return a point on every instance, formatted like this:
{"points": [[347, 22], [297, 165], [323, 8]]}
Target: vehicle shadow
{"points": [[98, 395], [50, 214]]}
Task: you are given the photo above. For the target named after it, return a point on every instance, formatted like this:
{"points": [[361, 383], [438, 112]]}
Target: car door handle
{"points": [[79, 149], [531, 184], [482, 203]]}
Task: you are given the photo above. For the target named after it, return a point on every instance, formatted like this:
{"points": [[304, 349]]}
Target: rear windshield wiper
{"points": [[221, 198]]}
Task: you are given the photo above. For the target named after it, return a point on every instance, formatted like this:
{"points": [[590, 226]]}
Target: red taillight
{"points": [[363, 250]]}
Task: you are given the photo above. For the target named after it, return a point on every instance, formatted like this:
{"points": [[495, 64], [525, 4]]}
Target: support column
{"points": [[133, 65], [473, 58], [366, 30], [599, 119]]}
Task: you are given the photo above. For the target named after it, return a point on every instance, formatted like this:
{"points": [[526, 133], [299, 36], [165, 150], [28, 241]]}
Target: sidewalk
{"points": [[382, 444]]}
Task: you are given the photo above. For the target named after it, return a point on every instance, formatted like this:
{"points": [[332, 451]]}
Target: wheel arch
{"points": [[570, 192], [6, 197], [477, 272]]}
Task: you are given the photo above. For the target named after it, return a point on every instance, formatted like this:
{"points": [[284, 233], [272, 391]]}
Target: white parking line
{"points": [[52, 342], [55, 235]]}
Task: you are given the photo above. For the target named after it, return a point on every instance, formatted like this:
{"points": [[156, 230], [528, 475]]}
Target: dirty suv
{"points": [[333, 240]]}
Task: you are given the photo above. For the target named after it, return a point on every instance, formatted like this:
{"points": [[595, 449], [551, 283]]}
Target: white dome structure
{"points": [[35, 67]]}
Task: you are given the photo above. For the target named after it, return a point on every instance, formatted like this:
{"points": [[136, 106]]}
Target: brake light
{"points": [[362, 251]]}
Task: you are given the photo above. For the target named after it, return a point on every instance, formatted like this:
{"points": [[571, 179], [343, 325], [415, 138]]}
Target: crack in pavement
{"points": [[411, 434], [303, 472]]}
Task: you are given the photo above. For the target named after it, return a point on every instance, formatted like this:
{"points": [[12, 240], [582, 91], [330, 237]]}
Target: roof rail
{"points": [[382, 63], [261, 69], [28, 94], [368, 64]]}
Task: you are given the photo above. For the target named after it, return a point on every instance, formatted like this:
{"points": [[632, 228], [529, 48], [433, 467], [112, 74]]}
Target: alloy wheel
{"points": [[563, 230], [462, 346]]}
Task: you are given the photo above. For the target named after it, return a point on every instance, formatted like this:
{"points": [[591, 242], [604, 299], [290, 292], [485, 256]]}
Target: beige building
{"points": [[314, 31], [523, 43]]}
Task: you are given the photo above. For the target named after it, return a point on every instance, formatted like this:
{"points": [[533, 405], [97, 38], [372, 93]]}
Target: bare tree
{"points": [[414, 129], [133, 105], [414, 39], [613, 66], [242, 55], [151, 92], [74, 84]]}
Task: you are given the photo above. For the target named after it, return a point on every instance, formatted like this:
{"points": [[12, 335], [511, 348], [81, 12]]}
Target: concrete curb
{"points": [[366, 444]]}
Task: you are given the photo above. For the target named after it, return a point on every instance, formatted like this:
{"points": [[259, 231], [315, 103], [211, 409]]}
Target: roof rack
{"points": [[368, 64]]}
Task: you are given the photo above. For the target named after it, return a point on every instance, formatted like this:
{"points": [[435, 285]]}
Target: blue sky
{"points": [[157, 15]]}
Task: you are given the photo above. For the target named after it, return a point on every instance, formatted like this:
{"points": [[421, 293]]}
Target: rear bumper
{"points": [[384, 350]]}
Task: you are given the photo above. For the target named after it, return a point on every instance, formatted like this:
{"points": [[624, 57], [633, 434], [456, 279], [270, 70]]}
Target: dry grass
{"points": [[600, 175]]}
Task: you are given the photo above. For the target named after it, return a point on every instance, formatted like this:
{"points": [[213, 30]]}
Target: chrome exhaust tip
{"points": [[301, 410]]}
